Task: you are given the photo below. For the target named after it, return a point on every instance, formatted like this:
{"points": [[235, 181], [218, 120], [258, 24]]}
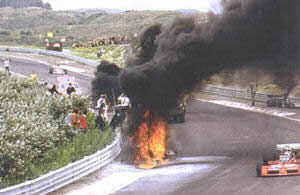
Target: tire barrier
{"points": [[241, 94], [70, 173]]}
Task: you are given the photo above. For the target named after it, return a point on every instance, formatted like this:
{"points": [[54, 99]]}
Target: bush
{"points": [[32, 124]]}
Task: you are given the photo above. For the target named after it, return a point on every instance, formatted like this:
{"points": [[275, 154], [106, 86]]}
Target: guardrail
{"points": [[51, 53], [66, 175], [238, 93]]}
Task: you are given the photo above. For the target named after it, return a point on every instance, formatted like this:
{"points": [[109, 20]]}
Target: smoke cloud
{"points": [[262, 33], [106, 81], [172, 59]]}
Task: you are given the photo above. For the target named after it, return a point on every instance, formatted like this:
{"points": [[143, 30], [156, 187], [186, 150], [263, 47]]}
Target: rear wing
{"points": [[294, 146]]}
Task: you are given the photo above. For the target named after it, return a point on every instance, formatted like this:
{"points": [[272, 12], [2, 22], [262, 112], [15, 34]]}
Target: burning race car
{"points": [[57, 69], [286, 162]]}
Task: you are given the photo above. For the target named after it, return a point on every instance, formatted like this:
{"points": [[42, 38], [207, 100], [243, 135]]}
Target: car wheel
{"points": [[258, 169], [65, 71]]}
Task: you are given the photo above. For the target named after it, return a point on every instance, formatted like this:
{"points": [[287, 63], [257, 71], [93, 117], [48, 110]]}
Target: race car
{"points": [[57, 69], [285, 162]]}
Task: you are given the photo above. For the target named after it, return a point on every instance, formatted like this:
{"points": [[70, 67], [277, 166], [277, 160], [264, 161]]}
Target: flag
{"points": [[50, 34]]}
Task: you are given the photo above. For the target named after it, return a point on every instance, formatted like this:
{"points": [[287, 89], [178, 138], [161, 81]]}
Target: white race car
{"points": [[57, 69]]}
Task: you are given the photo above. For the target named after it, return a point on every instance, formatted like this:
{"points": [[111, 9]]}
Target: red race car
{"points": [[286, 162]]}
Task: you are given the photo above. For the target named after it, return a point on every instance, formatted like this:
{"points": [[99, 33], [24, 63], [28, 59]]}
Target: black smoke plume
{"points": [[106, 81], [262, 33]]}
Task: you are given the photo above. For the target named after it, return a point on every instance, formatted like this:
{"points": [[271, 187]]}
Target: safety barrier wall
{"points": [[238, 93], [51, 53], [70, 173]]}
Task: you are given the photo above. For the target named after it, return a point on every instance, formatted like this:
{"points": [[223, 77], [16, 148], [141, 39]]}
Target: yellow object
{"points": [[40, 36], [33, 77], [50, 34]]}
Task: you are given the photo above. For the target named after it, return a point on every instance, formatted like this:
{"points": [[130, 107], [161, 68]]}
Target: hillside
{"points": [[24, 3], [24, 25]]}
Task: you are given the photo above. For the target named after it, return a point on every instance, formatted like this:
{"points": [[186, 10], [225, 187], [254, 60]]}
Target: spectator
{"points": [[70, 89], [6, 66], [53, 90], [123, 100], [68, 119], [75, 119], [99, 53], [100, 120], [101, 100], [83, 121]]}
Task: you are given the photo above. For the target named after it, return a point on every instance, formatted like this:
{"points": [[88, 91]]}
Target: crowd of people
{"points": [[119, 39], [105, 114], [77, 119]]}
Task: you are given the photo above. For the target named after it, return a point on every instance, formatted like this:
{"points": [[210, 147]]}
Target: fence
{"points": [[238, 93], [72, 172]]}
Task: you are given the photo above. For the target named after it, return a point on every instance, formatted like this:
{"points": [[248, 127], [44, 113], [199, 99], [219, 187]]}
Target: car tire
{"points": [[65, 71], [258, 169]]}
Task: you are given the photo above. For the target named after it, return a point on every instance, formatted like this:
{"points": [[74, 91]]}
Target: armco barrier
{"points": [[66, 175], [238, 93], [51, 53]]}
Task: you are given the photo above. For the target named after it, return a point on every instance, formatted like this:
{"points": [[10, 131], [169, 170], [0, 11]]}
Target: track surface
{"points": [[219, 131], [27, 67], [245, 136]]}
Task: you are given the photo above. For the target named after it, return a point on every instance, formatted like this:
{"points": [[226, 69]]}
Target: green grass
{"points": [[112, 53]]}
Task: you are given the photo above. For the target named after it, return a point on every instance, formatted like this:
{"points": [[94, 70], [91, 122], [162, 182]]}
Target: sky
{"points": [[134, 4]]}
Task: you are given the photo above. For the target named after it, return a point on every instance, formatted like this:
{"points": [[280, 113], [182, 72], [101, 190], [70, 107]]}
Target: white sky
{"points": [[134, 4]]}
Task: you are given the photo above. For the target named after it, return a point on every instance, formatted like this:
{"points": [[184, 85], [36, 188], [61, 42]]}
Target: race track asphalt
{"points": [[245, 136]]}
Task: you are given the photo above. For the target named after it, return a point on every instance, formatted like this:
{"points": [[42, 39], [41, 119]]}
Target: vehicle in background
{"points": [[281, 101], [57, 69], [285, 162], [54, 46]]}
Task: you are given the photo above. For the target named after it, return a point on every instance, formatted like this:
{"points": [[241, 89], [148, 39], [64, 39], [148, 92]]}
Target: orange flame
{"points": [[151, 142]]}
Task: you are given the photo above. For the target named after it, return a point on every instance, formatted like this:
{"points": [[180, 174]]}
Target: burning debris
{"points": [[150, 140], [174, 58]]}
